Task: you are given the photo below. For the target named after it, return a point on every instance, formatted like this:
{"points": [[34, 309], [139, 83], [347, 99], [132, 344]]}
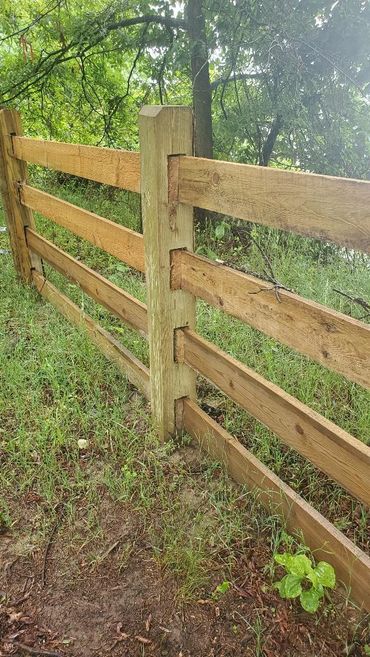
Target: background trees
{"points": [[271, 82]]}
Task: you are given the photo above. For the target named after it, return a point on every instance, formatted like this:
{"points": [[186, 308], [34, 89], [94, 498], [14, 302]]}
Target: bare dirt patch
{"points": [[122, 602]]}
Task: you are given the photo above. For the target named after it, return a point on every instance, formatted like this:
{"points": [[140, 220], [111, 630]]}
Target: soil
{"points": [[57, 602]]}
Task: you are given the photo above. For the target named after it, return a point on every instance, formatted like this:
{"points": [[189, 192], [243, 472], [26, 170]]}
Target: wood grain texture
{"points": [[341, 456], [121, 242], [165, 131], [328, 208], [333, 339], [352, 566], [133, 368], [105, 165], [118, 302], [12, 173]]}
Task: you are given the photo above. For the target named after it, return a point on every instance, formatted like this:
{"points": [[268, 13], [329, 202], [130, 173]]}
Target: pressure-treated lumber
{"points": [[333, 339], [352, 566], [120, 303], [341, 456], [335, 209], [133, 368], [119, 241], [13, 172], [167, 225], [105, 165]]}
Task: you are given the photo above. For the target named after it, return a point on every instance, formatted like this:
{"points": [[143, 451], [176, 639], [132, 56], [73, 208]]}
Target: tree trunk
{"points": [[202, 97], [269, 144]]}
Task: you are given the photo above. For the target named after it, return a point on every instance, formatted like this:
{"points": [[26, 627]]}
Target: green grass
{"points": [[57, 388], [308, 267], [313, 272]]}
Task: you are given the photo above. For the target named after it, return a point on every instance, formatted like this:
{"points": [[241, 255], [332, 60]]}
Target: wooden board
{"points": [[341, 456], [121, 242], [133, 368], [333, 339], [105, 165], [333, 209], [17, 217], [167, 225], [352, 566], [121, 304]]}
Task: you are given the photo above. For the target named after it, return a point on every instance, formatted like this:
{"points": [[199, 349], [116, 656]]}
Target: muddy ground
{"points": [[56, 602]]}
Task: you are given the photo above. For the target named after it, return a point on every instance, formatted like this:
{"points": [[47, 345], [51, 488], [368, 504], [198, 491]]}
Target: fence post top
{"points": [[8, 110], [152, 111]]}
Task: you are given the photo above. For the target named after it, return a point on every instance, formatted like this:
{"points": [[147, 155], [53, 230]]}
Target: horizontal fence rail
{"points": [[351, 564], [170, 185], [118, 302], [119, 241], [328, 208], [344, 458], [336, 341], [135, 371], [105, 165]]}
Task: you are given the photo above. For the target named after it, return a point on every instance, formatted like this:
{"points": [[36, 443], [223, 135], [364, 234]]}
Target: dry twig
{"points": [[358, 300], [59, 510], [36, 651]]}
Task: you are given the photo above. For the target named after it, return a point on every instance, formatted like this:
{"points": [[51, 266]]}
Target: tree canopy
{"points": [[272, 83]]}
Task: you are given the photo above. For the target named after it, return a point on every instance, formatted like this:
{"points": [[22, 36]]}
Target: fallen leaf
{"points": [[15, 616], [142, 639], [148, 622]]}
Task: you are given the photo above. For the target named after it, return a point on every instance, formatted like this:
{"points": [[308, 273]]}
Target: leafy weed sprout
{"points": [[303, 580]]}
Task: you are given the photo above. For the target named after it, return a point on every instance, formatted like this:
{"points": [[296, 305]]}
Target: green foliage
{"points": [[300, 573], [5, 518], [221, 589], [221, 230], [78, 72]]}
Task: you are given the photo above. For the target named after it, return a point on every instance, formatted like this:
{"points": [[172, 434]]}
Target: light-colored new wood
{"points": [[135, 371], [165, 131], [337, 341], [121, 242], [336, 209], [121, 304], [105, 165], [330, 448], [352, 566], [13, 172]]}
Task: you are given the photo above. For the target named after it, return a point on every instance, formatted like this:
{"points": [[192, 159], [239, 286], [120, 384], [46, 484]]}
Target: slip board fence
{"points": [[171, 183]]}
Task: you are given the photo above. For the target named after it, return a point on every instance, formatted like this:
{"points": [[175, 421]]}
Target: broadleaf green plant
{"points": [[303, 580], [221, 589]]}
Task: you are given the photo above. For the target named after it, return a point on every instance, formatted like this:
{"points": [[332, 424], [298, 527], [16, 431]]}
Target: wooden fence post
{"points": [[168, 225], [12, 173]]}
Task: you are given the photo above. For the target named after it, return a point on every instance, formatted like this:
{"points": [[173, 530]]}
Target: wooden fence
{"points": [[171, 182]]}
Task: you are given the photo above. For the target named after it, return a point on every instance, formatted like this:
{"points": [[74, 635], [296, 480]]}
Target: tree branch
{"points": [[167, 21], [83, 46], [234, 78], [37, 20], [120, 99]]}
